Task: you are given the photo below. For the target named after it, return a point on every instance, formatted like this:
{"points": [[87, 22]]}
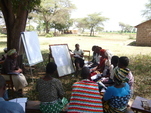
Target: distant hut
{"points": [[143, 37]]}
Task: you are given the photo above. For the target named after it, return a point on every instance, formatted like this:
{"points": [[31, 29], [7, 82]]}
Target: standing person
{"points": [[116, 97], [123, 63], [85, 97], [78, 55], [10, 66], [6, 106], [50, 91]]}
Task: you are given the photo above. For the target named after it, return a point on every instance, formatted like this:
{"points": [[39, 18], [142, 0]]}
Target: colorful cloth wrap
{"points": [[53, 107], [109, 109], [11, 52], [120, 74], [85, 98]]}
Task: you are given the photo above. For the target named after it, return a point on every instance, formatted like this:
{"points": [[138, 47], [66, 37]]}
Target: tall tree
{"points": [[57, 11], [15, 14], [94, 20], [122, 25], [81, 24], [147, 12], [126, 27]]}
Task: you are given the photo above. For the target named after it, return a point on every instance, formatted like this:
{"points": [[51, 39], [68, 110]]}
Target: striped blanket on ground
{"points": [[85, 98]]}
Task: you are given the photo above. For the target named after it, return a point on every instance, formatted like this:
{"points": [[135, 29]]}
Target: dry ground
{"points": [[117, 44]]}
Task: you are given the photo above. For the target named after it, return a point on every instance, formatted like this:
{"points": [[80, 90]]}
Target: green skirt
{"points": [[53, 107]]}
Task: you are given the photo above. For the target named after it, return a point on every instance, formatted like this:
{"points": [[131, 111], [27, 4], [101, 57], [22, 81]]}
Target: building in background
{"points": [[143, 36]]}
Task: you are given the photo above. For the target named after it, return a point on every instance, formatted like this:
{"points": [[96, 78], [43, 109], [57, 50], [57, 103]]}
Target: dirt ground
{"points": [[117, 45]]}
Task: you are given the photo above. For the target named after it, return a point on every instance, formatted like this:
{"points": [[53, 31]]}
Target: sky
{"points": [[125, 11]]}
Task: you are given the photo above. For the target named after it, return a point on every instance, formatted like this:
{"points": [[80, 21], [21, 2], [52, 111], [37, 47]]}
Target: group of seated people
{"points": [[110, 70], [86, 96], [113, 73]]}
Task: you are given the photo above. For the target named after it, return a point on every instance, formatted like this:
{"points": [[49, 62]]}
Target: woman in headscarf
{"points": [[101, 66], [10, 66], [116, 97]]}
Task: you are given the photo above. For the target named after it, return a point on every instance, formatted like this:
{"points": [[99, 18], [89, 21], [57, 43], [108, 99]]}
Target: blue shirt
{"points": [[10, 107], [113, 91], [117, 97]]}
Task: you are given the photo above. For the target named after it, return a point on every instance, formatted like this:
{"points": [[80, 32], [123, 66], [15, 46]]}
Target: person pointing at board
{"points": [[10, 66]]}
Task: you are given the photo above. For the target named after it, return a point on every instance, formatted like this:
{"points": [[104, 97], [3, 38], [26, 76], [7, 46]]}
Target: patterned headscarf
{"points": [[11, 52], [121, 75]]}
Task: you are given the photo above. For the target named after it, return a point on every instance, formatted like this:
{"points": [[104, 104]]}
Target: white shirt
{"points": [[78, 52]]}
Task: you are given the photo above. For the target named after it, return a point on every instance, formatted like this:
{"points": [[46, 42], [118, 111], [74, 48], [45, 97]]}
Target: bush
{"points": [[49, 35], [131, 37]]}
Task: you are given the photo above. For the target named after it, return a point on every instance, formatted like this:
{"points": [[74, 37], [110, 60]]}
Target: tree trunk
{"points": [[91, 31], [15, 22], [47, 27]]}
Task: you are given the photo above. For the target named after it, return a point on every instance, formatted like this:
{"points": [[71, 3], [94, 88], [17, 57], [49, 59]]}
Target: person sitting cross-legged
{"points": [[6, 106]]}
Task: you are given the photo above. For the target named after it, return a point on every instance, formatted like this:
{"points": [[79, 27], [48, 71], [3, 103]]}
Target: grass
{"points": [[141, 68], [140, 64]]}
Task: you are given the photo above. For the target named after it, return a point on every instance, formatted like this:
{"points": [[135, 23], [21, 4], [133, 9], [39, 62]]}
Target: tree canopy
{"points": [[15, 13], [54, 13], [147, 12], [92, 22], [126, 27]]}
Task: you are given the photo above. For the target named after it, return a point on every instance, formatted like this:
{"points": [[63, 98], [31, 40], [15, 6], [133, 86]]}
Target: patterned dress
{"points": [[85, 98], [49, 93], [116, 99]]}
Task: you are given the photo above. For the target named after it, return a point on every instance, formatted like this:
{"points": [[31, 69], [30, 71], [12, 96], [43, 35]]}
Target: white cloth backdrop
{"points": [[32, 47], [62, 59]]}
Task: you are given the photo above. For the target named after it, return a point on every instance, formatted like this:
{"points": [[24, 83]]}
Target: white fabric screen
{"points": [[62, 59], [32, 47]]}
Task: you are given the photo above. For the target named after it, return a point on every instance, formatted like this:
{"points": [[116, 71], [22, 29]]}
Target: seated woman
{"points": [[78, 55], [85, 97], [50, 91], [123, 63], [96, 56], [116, 97], [101, 66], [10, 66]]}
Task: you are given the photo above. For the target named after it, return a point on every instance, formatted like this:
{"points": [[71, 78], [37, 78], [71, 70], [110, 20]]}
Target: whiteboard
{"points": [[32, 47], [62, 59]]}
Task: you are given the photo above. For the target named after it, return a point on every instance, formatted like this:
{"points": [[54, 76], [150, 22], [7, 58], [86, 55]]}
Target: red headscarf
{"points": [[102, 51]]}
